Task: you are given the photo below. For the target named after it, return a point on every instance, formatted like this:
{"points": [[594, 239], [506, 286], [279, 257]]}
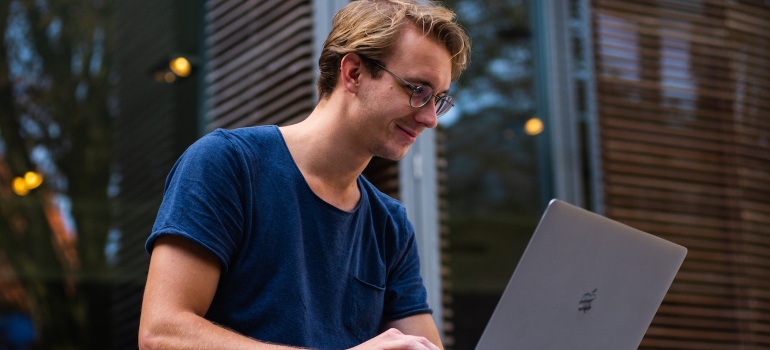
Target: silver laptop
{"points": [[584, 282]]}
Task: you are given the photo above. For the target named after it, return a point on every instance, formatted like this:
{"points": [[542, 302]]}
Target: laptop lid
{"points": [[584, 282]]}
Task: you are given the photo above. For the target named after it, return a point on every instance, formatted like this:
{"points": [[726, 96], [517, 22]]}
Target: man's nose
{"points": [[426, 115]]}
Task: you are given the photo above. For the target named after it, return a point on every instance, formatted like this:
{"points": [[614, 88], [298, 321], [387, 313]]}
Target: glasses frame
{"points": [[439, 101]]}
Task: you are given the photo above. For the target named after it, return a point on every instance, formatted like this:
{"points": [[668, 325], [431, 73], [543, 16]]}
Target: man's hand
{"points": [[181, 283], [393, 339]]}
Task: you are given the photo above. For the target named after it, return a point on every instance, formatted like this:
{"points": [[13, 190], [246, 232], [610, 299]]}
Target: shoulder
{"points": [[242, 137], [251, 133], [236, 144], [385, 207], [380, 199]]}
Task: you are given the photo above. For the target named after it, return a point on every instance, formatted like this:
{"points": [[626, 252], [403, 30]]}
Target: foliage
{"points": [[55, 66]]}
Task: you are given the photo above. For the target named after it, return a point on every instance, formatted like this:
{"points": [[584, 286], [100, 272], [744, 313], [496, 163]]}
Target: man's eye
{"points": [[422, 91]]}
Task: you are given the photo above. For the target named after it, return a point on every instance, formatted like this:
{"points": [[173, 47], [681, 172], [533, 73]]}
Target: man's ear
{"points": [[351, 68]]}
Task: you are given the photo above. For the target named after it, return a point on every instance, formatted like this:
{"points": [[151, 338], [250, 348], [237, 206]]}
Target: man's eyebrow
{"points": [[424, 82], [415, 80], [427, 83], [419, 81]]}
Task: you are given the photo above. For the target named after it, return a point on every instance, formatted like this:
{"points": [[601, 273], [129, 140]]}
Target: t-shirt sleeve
{"points": [[405, 294], [203, 198]]}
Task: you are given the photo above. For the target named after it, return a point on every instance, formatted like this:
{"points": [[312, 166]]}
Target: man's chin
{"points": [[394, 158], [393, 154]]}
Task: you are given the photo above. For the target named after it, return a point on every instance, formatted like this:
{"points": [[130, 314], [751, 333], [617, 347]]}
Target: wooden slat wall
{"points": [[683, 91], [383, 173], [144, 134], [444, 242], [259, 65], [260, 70], [154, 123]]}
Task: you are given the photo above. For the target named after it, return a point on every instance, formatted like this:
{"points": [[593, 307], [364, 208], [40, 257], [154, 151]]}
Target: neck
{"points": [[327, 155]]}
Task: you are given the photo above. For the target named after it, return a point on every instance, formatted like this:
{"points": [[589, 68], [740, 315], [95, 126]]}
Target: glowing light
{"points": [[169, 77], [181, 67], [33, 180], [20, 186], [23, 184], [533, 126]]}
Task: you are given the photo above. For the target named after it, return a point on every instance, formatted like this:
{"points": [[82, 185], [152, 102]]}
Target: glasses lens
{"points": [[443, 105], [420, 96]]}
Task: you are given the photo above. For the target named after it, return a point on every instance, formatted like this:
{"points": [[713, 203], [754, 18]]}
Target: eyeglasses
{"points": [[422, 94]]}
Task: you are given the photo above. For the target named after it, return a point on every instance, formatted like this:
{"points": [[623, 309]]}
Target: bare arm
{"points": [[416, 332], [181, 283], [419, 325]]}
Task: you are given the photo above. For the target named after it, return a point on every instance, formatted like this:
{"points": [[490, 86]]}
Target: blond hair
{"points": [[370, 28]]}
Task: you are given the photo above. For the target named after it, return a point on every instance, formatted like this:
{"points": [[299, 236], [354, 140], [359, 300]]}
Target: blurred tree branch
{"points": [[71, 304]]}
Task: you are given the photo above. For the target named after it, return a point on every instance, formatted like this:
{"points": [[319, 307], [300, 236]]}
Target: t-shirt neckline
{"points": [[297, 174]]}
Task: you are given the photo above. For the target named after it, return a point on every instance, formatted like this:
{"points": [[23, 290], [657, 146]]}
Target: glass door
{"points": [[495, 186]]}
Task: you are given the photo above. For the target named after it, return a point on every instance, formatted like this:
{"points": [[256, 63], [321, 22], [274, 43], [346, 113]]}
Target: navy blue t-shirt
{"points": [[295, 269]]}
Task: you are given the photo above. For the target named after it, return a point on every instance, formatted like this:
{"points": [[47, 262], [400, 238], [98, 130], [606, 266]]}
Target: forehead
{"points": [[421, 59]]}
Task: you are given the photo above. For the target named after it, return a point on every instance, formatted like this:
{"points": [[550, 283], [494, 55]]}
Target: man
{"points": [[270, 238]]}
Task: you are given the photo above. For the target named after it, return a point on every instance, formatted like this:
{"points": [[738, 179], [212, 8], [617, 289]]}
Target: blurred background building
{"points": [[655, 113]]}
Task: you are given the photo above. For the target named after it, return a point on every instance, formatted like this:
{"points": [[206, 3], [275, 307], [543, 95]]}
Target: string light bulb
{"points": [[33, 180], [23, 184], [20, 186], [181, 67], [534, 126]]}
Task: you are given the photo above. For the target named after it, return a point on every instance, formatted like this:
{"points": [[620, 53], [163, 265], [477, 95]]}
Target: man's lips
{"points": [[410, 133]]}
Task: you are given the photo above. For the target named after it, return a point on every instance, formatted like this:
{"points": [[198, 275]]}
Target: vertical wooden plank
{"points": [[681, 90]]}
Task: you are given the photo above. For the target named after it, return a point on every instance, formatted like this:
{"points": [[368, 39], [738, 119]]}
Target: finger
{"points": [[428, 344], [404, 345], [391, 332], [408, 342]]}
